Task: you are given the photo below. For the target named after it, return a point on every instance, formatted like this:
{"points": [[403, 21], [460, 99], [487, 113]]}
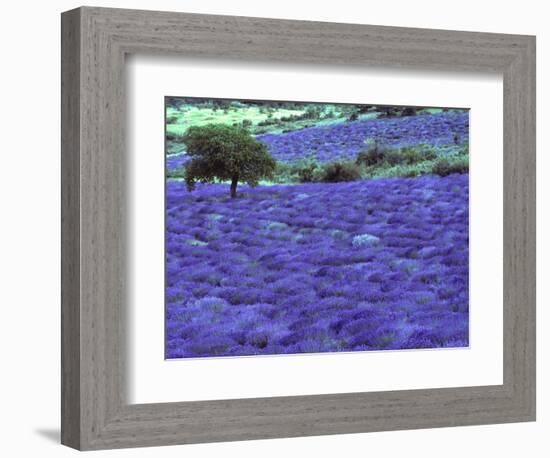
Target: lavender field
{"points": [[345, 140], [319, 265]]}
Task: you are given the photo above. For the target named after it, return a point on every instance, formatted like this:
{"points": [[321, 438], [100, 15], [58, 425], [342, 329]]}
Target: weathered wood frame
{"points": [[95, 413]]}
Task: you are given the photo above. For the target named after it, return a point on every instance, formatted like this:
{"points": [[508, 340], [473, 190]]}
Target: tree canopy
{"points": [[225, 153]]}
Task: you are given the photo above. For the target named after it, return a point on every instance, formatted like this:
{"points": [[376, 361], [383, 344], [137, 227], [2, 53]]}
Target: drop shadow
{"points": [[53, 435]]}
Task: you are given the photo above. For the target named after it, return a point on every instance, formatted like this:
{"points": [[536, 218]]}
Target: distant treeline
{"points": [[357, 109]]}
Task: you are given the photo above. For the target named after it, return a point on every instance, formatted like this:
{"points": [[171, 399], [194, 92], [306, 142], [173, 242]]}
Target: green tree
{"points": [[225, 153]]}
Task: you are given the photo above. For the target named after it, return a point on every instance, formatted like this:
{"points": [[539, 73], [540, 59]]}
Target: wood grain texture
{"points": [[70, 229], [96, 414]]}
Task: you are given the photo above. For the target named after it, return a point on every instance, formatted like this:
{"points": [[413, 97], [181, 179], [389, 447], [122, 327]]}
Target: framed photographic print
{"points": [[349, 231], [285, 228]]}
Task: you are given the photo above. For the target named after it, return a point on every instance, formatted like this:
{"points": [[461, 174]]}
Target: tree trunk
{"points": [[234, 182]]}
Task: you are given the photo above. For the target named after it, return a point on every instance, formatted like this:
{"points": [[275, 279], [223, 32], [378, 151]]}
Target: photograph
{"points": [[275, 229], [300, 227]]}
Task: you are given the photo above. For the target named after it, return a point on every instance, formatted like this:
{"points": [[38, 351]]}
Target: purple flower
{"points": [[273, 273]]}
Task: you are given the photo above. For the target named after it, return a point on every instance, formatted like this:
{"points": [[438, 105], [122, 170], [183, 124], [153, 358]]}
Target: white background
{"points": [[155, 380], [29, 241]]}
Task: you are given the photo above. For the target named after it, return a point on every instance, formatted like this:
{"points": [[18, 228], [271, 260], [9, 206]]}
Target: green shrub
{"points": [[444, 166], [307, 171], [410, 173], [415, 154], [374, 154], [388, 112], [464, 149], [393, 112], [392, 157], [312, 112], [310, 171], [381, 156], [340, 171], [267, 122], [283, 173], [408, 111], [401, 170], [173, 137], [368, 158]]}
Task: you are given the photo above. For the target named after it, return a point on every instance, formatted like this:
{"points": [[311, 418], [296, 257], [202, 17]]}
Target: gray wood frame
{"points": [[95, 413]]}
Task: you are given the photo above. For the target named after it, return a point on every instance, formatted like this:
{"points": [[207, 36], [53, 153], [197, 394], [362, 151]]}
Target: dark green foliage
{"points": [[268, 122], [368, 158], [175, 102], [444, 166], [353, 117], [312, 112], [393, 157], [414, 154], [408, 111], [291, 118], [464, 149], [374, 154], [225, 153], [221, 104], [366, 108], [379, 156], [411, 173], [308, 171], [340, 171], [304, 171], [394, 112], [306, 174], [283, 173], [388, 112]]}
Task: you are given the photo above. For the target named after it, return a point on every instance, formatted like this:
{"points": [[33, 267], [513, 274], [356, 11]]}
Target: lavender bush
{"points": [[343, 141], [365, 265]]}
